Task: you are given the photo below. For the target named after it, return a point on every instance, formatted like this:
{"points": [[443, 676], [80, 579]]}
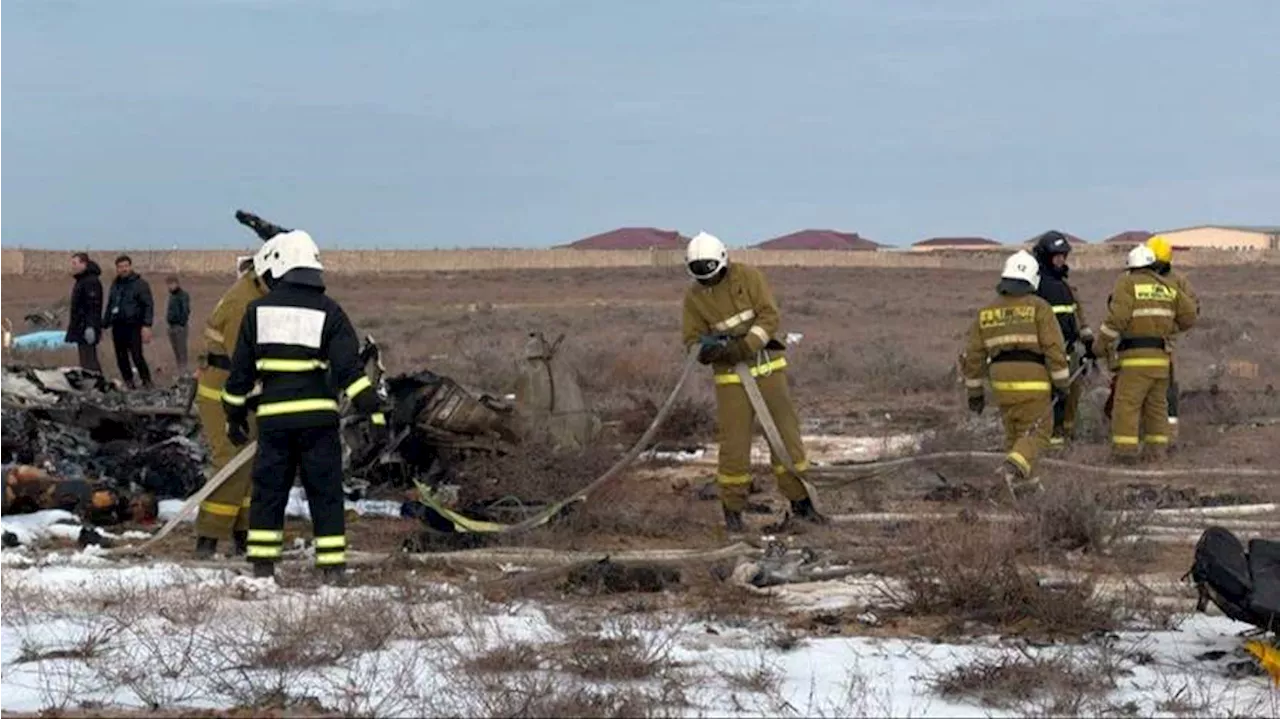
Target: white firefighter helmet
{"points": [[1139, 257], [262, 259], [1021, 265], [291, 251], [244, 263], [705, 256]]}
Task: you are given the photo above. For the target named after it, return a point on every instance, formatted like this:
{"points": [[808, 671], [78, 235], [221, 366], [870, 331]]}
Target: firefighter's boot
{"points": [[264, 569], [241, 540], [733, 522], [206, 547], [804, 509]]}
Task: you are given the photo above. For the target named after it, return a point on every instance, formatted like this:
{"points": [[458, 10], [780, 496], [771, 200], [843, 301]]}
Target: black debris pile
{"points": [[78, 428]]}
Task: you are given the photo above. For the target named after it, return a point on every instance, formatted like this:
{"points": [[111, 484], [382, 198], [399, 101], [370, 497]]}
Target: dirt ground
{"points": [[878, 356]]}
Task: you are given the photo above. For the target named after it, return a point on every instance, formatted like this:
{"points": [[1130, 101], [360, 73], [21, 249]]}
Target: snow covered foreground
{"points": [[83, 631]]}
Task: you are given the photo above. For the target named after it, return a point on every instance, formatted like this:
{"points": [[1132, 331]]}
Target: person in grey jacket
{"points": [[130, 311], [176, 315]]}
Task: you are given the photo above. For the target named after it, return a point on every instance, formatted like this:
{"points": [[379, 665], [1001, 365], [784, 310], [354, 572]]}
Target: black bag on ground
{"points": [[1245, 586]]}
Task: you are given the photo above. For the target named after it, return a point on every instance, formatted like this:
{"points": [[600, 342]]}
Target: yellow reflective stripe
{"points": [[297, 405], [259, 551], [1057, 440], [247, 499], [1104, 329], [756, 371], [1120, 439], [378, 418], [1064, 309], [1011, 339], [1031, 386], [734, 321], [290, 365], [1154, 312], [761, 333], [1156, 439], [266, 535], [1020, 461], [214, 335], [209, 392], [234, 400], [359, 386], [220, 509], [1060, 374], [973, 383], [1144, 362], [329, 558], [733, 480], [782, 471], [335, 541]]}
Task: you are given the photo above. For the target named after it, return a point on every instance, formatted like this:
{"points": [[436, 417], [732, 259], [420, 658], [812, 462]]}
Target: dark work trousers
{"points": [[128, 341], [88, 356], [178, 339], [316, 454]]}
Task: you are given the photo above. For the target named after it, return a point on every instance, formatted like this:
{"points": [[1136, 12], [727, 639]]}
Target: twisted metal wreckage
{"points": [[74, 441]]}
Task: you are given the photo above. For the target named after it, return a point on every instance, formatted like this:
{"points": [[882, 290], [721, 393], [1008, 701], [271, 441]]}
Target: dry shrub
{"points": [[971, 573], [535, 473], [758, 674], [1070, 515], [506, 659], [1061, 684]]}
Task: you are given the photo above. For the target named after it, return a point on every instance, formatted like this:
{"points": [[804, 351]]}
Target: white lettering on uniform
{"points": [[297, 326]]}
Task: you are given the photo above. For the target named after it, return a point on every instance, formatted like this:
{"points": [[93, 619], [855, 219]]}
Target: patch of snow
{"points": [[825, 676]]}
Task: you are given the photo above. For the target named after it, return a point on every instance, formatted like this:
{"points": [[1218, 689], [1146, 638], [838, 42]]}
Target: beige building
{"points": [[1225, 237]]}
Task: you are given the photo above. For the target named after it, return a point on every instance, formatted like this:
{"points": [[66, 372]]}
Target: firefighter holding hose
{"points": [[730, 312]]}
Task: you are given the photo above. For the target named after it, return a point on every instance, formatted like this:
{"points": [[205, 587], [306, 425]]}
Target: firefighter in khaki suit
{"points": [[1163, 251], [735, 301], [1145, 311], [225, 514], [1016, 343]]}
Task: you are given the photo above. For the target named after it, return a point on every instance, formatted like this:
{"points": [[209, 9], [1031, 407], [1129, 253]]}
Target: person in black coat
{"points": [[84, 328], [130, 311]]}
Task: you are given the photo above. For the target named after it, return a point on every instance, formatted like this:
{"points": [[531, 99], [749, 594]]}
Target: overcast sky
{"points": [[442, 123]]}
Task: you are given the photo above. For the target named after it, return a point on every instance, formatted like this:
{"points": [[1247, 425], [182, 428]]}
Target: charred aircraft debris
{"points": [[72, 440]]}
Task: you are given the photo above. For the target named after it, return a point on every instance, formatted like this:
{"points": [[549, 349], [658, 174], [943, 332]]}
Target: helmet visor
{"points": [[703, 269]]}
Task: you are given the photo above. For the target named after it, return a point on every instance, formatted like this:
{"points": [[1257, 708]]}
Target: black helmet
{"points": [[1049, 244]]}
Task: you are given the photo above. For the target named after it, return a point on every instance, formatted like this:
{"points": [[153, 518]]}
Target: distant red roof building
{"points": [[819, 240], [1129, 237], [955, 243], [633, 238]]}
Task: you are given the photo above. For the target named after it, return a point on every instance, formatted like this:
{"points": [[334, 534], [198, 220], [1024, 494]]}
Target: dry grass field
{"points": [[877, 358]]}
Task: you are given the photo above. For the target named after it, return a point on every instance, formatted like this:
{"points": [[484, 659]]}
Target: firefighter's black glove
{"points": [[1089, 356], [713, 353], [238, 426], [977, 403], [263, 229]]}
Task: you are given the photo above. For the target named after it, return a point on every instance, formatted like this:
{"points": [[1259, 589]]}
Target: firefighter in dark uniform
{"points": [[1051, 250], [300, 345]]}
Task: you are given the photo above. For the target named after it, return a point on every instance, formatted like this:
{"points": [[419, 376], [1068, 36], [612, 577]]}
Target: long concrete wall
{"points": [[195, 262]]}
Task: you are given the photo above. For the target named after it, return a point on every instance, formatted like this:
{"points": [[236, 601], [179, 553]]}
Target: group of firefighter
{"points": [[280, 353], [1031, 344]]}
